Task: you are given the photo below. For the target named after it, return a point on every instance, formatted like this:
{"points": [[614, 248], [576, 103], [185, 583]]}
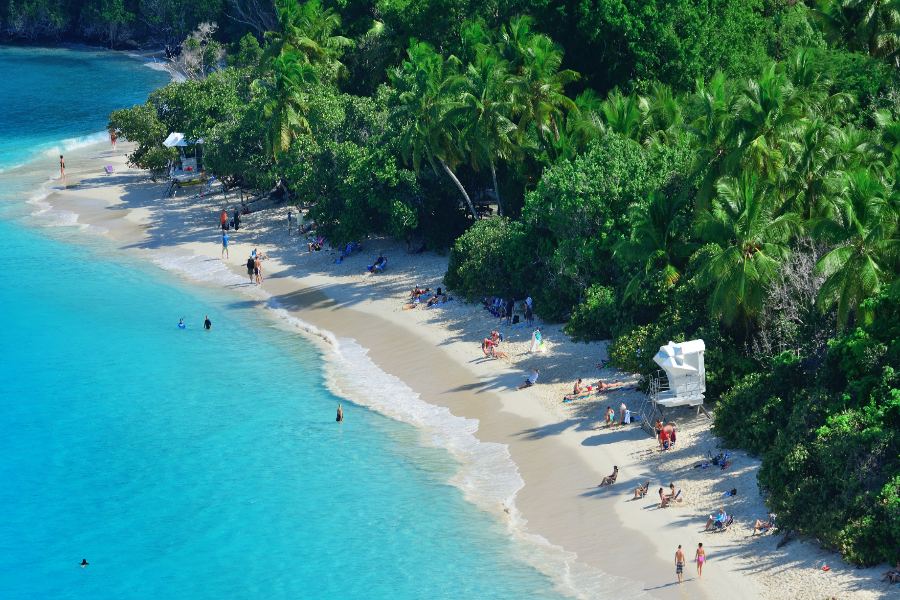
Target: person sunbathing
{"points": [[764, 526], [663, 499], [673, 496], [892, 575], [716, 521], [530, 380], [641, 490], [578, 391], [418, 292], [610, 479]]}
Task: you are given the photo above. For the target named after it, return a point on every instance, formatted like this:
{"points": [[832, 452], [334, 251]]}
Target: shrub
{"points": [[595, 318], [493, 257]]}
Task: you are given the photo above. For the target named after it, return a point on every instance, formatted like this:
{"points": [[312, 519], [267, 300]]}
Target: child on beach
{"points": [[225, 245]]}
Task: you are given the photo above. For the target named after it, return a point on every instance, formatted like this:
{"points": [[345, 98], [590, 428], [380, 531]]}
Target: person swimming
{"points": [[207, 324], [84, 563], [181, 324]]}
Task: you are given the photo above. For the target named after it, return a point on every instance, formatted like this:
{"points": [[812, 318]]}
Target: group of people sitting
{"points": [[424, 296], [316, 244], [490, 346], [609, 415], [665, 434], [506, 309]]}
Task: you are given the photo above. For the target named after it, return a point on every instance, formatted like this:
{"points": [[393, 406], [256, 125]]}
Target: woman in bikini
{"points": [[700, 557]]}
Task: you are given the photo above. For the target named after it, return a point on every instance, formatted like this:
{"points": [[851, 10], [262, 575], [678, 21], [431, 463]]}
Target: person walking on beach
{"points": [[257, 270], [112, 138], [251, 268], [62, 168], [700, 557], [236, 219], [679, 564], [223, 220], [340, 414], [290, 221], [225, 245], [207, 324]]}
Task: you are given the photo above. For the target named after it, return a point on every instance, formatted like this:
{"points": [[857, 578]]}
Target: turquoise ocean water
{"points": [[193, 464]]}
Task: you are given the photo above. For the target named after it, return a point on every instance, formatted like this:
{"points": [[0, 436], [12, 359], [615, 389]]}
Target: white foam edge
{"points": [[487, 475], [47, 214]]}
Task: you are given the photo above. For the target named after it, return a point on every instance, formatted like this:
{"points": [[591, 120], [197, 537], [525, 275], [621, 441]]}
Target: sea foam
{"points": [[487, 475]]}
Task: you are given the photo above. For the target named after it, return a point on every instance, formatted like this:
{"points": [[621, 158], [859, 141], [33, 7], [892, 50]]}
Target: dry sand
{"points": [[561, 450]]}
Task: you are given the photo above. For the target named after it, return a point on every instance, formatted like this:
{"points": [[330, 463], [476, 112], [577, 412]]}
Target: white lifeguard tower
{"points": [[682, 381]]}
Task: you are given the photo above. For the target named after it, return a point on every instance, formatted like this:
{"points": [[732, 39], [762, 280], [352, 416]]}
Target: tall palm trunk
{"points": [[496, 189], [462, 190]]}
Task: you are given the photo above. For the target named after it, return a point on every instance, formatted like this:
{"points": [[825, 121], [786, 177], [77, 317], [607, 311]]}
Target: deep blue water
{"points": [[192, 463]]}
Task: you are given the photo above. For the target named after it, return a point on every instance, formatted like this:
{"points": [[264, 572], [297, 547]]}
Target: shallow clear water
{"points": [[204, 464]]}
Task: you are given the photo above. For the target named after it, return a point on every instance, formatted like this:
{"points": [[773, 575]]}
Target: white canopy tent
{"points": [[188, 167]]}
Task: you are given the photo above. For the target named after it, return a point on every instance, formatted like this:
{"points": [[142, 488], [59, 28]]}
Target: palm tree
{"points": [[538, 85], [425, 82], [750, 245], [867, 25], [484, 114], [865, 260], [285, 105], [309, 30], [711, 126], [656, 242], [625, 115]]}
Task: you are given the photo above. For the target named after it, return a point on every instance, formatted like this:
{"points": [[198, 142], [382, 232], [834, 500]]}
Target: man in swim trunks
{"points": [[207, 324], [679, 564]]}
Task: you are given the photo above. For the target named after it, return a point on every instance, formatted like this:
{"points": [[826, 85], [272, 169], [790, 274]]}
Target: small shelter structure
{"points": [[188, 167]]}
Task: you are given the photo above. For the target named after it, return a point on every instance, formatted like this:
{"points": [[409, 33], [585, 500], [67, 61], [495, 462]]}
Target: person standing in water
{"points": [[84, 563], [340, 414], [251, 268], [700, 557], [225, 245], [62, 168], [181, 324], [207, 324], [679, 563]]}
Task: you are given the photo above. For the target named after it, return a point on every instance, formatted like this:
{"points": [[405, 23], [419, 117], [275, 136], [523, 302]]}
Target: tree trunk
{"points": [[462, 190], [496, 189]]}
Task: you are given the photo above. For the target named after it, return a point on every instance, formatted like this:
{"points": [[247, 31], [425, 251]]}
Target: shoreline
{"points": [[559, 451]]}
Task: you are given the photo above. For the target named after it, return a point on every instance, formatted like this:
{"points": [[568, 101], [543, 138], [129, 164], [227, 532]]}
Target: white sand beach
{"points": [[562, 450]]}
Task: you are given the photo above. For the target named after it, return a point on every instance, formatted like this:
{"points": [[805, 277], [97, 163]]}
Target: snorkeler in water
{"points": [[84, 563], [181, 324]]}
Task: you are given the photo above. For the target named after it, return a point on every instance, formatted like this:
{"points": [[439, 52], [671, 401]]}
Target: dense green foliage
{"points": [[723, 169]]}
